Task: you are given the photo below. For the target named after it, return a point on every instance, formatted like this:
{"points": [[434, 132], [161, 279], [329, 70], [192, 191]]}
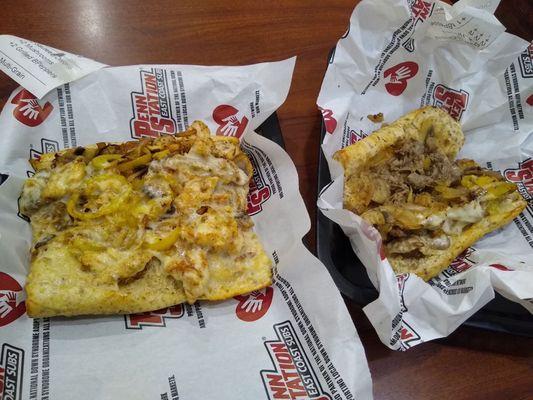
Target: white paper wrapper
{"points": [[293, 340], [398, 56]]}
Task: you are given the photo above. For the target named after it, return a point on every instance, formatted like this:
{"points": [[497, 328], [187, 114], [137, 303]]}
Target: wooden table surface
{"points": [[470, 363]]}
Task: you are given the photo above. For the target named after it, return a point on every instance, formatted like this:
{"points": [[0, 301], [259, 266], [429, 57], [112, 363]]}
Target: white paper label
{"points": [[39, 68]]}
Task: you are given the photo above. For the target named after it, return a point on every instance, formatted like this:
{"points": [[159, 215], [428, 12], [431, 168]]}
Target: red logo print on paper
{"points": [[253, 306], [421, 10], [152, 108], [12, 304], [28, 110], [230, 120], [292, 375], [408, 336], [398, 77], [529, 100], [260, 189], [330, 123], [153, 318], [500, 267], [523, 177], [356, 136], [451, 100], [462, 263], [350, 136], [11, 368], [258, 194]]}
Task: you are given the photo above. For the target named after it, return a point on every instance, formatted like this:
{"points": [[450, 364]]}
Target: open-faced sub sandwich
{"points": [[428, 206], [138, 226]]}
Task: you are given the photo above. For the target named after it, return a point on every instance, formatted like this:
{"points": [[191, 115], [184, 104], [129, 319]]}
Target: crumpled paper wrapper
{"points": [[401, 55], [292, 340]]}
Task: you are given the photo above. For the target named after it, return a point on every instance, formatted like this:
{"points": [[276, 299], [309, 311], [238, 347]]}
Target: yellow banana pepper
{"points": [[161, 154], [105, 160], [129, 165], [161, 240]]}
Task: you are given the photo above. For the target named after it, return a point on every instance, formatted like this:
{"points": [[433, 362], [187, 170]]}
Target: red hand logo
{"points": [[398, 77], [28, 110], [12, 303], [253, 306], [330, 123], [230, 120]]}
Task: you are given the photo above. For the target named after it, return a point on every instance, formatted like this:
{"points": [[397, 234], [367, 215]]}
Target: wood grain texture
{"points": [[470, 364]]}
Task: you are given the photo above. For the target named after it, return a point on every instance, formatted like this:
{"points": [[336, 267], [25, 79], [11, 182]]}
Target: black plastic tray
{"points": [[349, 274], [271, 130]]}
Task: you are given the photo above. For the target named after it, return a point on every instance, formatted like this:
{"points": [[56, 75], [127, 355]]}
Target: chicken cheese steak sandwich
{"points": [[428, 207], [138, 226]]}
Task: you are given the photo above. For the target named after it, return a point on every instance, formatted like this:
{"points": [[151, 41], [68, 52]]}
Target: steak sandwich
{"points": [[428, 206]]}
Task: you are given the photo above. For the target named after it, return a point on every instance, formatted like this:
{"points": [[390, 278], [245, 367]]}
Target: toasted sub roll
{"points": [[428, 206]]}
